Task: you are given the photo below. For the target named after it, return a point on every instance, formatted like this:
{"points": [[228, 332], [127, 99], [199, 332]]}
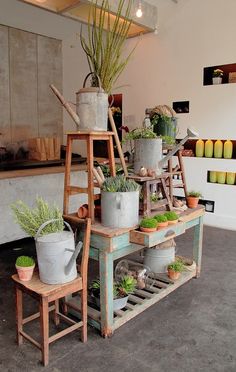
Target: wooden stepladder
{"points": [[179, 171], [69, 189]]}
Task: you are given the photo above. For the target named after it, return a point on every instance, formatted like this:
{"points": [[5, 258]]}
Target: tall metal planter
{"points": [[147, 153]]}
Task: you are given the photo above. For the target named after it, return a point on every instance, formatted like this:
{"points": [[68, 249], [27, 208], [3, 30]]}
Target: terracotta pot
{"points": [[148, 229], [172, 222], [192, 202], [161, 225], [83, 211], [25, 273], [174, 275]]}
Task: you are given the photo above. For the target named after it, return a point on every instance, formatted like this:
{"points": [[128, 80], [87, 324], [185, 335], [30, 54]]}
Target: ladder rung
{"points": [[72, 190], [179, 186]]}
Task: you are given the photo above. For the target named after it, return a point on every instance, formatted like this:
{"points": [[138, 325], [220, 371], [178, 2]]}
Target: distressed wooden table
{"points": [[108, 245]]}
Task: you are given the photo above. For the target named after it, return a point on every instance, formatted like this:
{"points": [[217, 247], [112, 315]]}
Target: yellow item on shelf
{"points": [[208, 149], [221, 176], [199, 148], [228, 149], [218, 149], [230, 178], [213, 176]]}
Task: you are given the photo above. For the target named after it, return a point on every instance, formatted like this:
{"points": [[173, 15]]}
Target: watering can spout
{"points": [[190, 133], [75, 254]]}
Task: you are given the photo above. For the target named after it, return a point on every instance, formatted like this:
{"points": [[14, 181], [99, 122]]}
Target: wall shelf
{"points": [[229, 75]]}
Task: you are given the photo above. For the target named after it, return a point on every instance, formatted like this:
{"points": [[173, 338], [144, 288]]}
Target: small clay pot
{"points": [[174, 275], [25, 273], [161, 225], [151, 173], [83, 211], [192, 202], [174, 222], [148, 229]]}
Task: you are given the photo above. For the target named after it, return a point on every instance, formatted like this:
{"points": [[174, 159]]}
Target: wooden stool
{"points": [[69, 190], [147, 188], [46, 293]]}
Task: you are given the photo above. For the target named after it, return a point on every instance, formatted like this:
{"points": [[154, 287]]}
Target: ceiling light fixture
{"points": [[139, 12]]}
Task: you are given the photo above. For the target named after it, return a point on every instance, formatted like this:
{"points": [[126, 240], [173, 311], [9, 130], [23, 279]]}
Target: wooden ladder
{"points": [[69, 189], [179, 171]]}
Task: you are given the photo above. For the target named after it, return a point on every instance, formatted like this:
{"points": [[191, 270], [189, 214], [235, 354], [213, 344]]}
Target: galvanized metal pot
{"points": [[92, 108], [147, 154], [120, 209]]}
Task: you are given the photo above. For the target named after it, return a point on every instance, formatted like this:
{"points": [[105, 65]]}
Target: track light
{"points": [[139, 12]]}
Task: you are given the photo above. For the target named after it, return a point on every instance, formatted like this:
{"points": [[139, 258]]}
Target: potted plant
{"points": [[25, 267], [175, 269], [103, 44], [120, 202], [148, 224], [56, 251], [164, 121], [162, 220], [172, 217], [217, 76], [121, 291], [147, 149], [193, 198]]}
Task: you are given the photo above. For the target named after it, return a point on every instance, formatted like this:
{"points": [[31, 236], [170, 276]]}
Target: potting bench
{"points": [[108, 245]]}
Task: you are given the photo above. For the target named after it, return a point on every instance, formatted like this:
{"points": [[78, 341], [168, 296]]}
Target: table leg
{"points": [[19, 315], [106, 293], [197, 245]]}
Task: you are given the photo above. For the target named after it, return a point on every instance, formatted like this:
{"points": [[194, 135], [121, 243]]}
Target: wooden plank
{"points": [[75, 304], [185, 277], [135, 299], [30, 339], [23, 69], [119, 312], [49, 54], [73, 190], [36, 315], [143, 293], [5, 127], [191, 214], [65, 332]]}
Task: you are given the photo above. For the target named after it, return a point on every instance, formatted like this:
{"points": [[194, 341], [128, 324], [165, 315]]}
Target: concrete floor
{"points": [[193, 329]]}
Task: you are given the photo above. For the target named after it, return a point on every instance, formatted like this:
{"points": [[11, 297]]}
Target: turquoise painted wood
{"points": [[106, 292], [197, 245], [109, 244], [131, 248]]}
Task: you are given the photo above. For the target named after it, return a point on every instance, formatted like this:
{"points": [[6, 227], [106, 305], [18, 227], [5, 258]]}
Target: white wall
{"points": [[169, 66]]}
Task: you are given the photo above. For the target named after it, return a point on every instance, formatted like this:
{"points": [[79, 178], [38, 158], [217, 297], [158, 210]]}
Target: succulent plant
{"points": [[195, 194], [120, 184], [177, 266]]}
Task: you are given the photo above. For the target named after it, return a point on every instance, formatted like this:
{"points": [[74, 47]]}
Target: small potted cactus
{"points": [[162, 220], [25, 267], [175, 269], [172, 217], [148, 224]]}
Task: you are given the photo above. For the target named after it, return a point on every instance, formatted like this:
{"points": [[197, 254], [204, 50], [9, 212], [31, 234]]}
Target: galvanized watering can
{"points": [[56, 254], [148, 152], [92, 107]]}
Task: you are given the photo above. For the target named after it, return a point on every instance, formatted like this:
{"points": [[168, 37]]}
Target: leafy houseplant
{"points": [[162, 220], [104, 49], [121, 291], [193, 199], [148, 224], [120, 202], [30, 219], [25, 267], [164, 122], [175, 268], [172, 217]]}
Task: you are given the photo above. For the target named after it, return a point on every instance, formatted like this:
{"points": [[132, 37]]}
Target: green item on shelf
{"points": [[218, 149], [160, 218], [25, 261], [199, 150], [208, 149], [213, 176], [221, 176], [148, 223], [228, 149], [171, 216], [230, 178]]}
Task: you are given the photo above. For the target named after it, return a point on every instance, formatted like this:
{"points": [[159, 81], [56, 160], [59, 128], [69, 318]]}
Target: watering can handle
{"points": [[99, 80], [47, 223]]}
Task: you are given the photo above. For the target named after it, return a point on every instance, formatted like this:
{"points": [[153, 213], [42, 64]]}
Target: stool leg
{"points": [[67, 175], [19, 315], [44, 330], [84, 314], [111, 157], [56, 311], [90, 178]]}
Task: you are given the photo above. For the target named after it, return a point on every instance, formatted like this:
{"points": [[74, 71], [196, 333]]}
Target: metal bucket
{"points": [[147, 154], [92, 107], [120, 209], [54, 253], [159, 259]]}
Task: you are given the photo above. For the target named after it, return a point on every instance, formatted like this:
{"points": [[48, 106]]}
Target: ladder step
{"points": [[72, 190], [179, 186]]}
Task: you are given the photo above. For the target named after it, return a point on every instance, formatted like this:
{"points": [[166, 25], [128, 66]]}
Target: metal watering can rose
{"points": [[56, 254]]}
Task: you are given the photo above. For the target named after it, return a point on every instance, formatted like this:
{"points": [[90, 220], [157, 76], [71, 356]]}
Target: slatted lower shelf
{"points": [[140, 300]]}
